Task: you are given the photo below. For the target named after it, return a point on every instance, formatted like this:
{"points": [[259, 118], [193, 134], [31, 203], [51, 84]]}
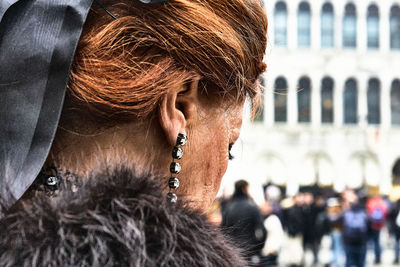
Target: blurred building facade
{"points": [[331, 97]]}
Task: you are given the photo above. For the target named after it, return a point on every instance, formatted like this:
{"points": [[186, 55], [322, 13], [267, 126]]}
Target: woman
{"points": [[146, 80], [275, 235]]}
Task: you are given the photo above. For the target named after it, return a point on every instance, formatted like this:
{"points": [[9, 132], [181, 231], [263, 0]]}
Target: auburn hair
{"points": [[125, 66]]}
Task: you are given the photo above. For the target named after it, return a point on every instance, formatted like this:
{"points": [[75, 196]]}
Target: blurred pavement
{"points": [[325, 253]]}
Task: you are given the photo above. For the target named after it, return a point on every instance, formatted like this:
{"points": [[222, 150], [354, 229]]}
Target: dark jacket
{"points": [[313, 223], [355, 225], [393, 226], [243, 222], [293, 220], [116, 219]]}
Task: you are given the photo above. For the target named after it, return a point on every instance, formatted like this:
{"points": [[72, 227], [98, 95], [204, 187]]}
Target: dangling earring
{"points": [[175, 167]]}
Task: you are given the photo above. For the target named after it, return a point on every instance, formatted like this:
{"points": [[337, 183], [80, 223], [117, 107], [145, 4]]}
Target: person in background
{"points": [[310, 233], [293, 223], [377, 210], [355, 230], [394, 219], [275, 235], [224, 200], [242, 221], [321, 220], [334, 212], [273, 195]]}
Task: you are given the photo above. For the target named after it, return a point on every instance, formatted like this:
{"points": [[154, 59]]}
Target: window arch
{"points": [[327, 100], [304, 100], [350, 26], [280, 100], [395, 27], [374, 101], [280, 26], [304, 25], [395, 102], [350, 102], [327, 25], [373, 27]]}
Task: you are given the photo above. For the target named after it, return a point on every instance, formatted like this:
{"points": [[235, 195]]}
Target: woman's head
{"points": [[156, 71]]}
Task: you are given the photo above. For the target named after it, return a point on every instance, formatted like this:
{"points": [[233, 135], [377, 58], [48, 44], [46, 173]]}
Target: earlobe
{"points": [[177, 107]]}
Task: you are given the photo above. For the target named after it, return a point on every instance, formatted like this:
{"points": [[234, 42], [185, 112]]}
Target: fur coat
{"points": [[116, 219]]}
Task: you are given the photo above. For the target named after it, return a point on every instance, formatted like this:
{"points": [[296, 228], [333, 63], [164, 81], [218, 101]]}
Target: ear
{"points": [[178, 107]]}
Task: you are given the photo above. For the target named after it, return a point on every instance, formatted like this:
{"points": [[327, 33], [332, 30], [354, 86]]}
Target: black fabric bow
{"points": [[37, 44], [38, 39]]}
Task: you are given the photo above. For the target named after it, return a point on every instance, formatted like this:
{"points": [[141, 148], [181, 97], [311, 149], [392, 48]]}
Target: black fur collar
{"points": [[116, 219]]}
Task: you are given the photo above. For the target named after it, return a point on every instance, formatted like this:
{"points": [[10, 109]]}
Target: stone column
{"points": [[386, 163], [338, 13], [362, 82], [316, 101], [315, 26], [384, 26], [292, 7], [385, 102], [292, 100], [361, 12], [338, 90]]}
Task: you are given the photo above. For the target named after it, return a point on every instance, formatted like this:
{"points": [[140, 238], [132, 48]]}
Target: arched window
{"points": [[304, 100], [280, 26], [350, 26], [327, 100], [304, 25], [395, 27], [259, 113], [395, 102], [327, 27], [374, 100], [350, 102], [373, 27], [280, 100]]}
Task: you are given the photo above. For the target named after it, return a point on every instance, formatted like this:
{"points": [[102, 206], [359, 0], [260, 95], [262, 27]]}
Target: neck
{"points": [[128, 145]]}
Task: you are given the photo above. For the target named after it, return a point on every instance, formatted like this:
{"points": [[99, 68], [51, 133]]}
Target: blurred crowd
{"points": [[352, 219]]}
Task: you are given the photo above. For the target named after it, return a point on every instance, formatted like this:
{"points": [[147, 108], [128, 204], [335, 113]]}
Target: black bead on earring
{"points": [[175, 167]]}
